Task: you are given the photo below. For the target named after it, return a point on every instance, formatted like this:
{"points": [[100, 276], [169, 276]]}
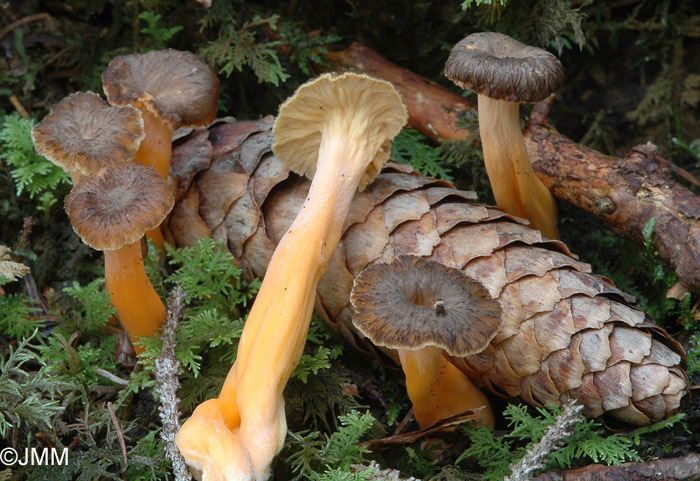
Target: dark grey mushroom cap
{"points": [[502, 68], [412, 303], [83, 133], [117, 204], [178, 86]]}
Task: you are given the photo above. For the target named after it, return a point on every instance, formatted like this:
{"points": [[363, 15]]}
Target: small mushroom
{"points": [[110, 211], [338, 128], [83, 133], [172, 89], [503, 73], [424, 309]]}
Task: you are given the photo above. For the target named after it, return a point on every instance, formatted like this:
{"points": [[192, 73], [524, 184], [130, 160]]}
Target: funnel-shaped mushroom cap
{"points": [[83, 133], [502, 68], [368, 111], [177, 86], [412, 303], [118, 204]]}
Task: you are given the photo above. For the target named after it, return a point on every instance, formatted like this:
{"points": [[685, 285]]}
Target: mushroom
{"points": [[172, 89], [338, 128], [424, 309], [504, 72], [110, 211], [83, 133]]}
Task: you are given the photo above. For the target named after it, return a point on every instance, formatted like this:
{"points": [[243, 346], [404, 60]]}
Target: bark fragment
{"points": [[669, 469]]}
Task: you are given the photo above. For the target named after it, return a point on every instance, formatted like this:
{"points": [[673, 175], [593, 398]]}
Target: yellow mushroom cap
{"points": [[117, 204], [412, 303], [177, 86], [364, 108], [83, 133]]}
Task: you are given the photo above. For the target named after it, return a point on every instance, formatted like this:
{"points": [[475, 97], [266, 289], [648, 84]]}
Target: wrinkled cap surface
{"points": [[116, 205], [177, 86], [502, 68], [412, 303], [366, 110], [83, 133]]}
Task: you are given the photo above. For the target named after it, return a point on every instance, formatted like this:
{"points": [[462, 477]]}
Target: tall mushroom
{"points": [[110, 211], [338, 128], [422, 308], [504, 72], [172, 89], [83, 133]]}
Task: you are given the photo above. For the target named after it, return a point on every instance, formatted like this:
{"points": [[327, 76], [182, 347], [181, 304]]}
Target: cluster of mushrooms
{"points": [[118, 157], [337, 130]]}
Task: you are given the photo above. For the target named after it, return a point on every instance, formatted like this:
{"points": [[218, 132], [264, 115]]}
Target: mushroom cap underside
{"points": [[369, 112], [178, 86], [412, 303], [502, 68], [116, 205], [83, 133]]}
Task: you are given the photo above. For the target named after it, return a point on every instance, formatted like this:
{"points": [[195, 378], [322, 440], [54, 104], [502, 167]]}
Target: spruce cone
{"points": [[567, 333]]}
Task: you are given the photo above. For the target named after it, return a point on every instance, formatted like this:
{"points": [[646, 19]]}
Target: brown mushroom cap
{"points": [[177, 86], [118, 204], [502, 68], [83, 133], [370, 109], [412, 303]]}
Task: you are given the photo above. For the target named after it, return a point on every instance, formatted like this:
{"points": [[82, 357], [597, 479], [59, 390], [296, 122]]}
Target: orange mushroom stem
{"points": [[138, 304], [346, 123], [271, 348], [438, 389], [155, 150], [515, 186], [110, 211]]}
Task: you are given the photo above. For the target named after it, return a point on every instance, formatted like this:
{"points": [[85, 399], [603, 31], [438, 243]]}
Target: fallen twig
{"points": [[685, 468], [118, 428], [625, 192], [112, 377], [536, 457], [57, 56], [19, 107], [23, 21], [412, 436], [167, 384]]}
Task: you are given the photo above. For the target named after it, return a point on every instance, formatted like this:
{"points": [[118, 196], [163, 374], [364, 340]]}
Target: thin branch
{"points": [[23, 21], [167, 383], [536, 457], [19, 107], [122, 443], [112, 377]]}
